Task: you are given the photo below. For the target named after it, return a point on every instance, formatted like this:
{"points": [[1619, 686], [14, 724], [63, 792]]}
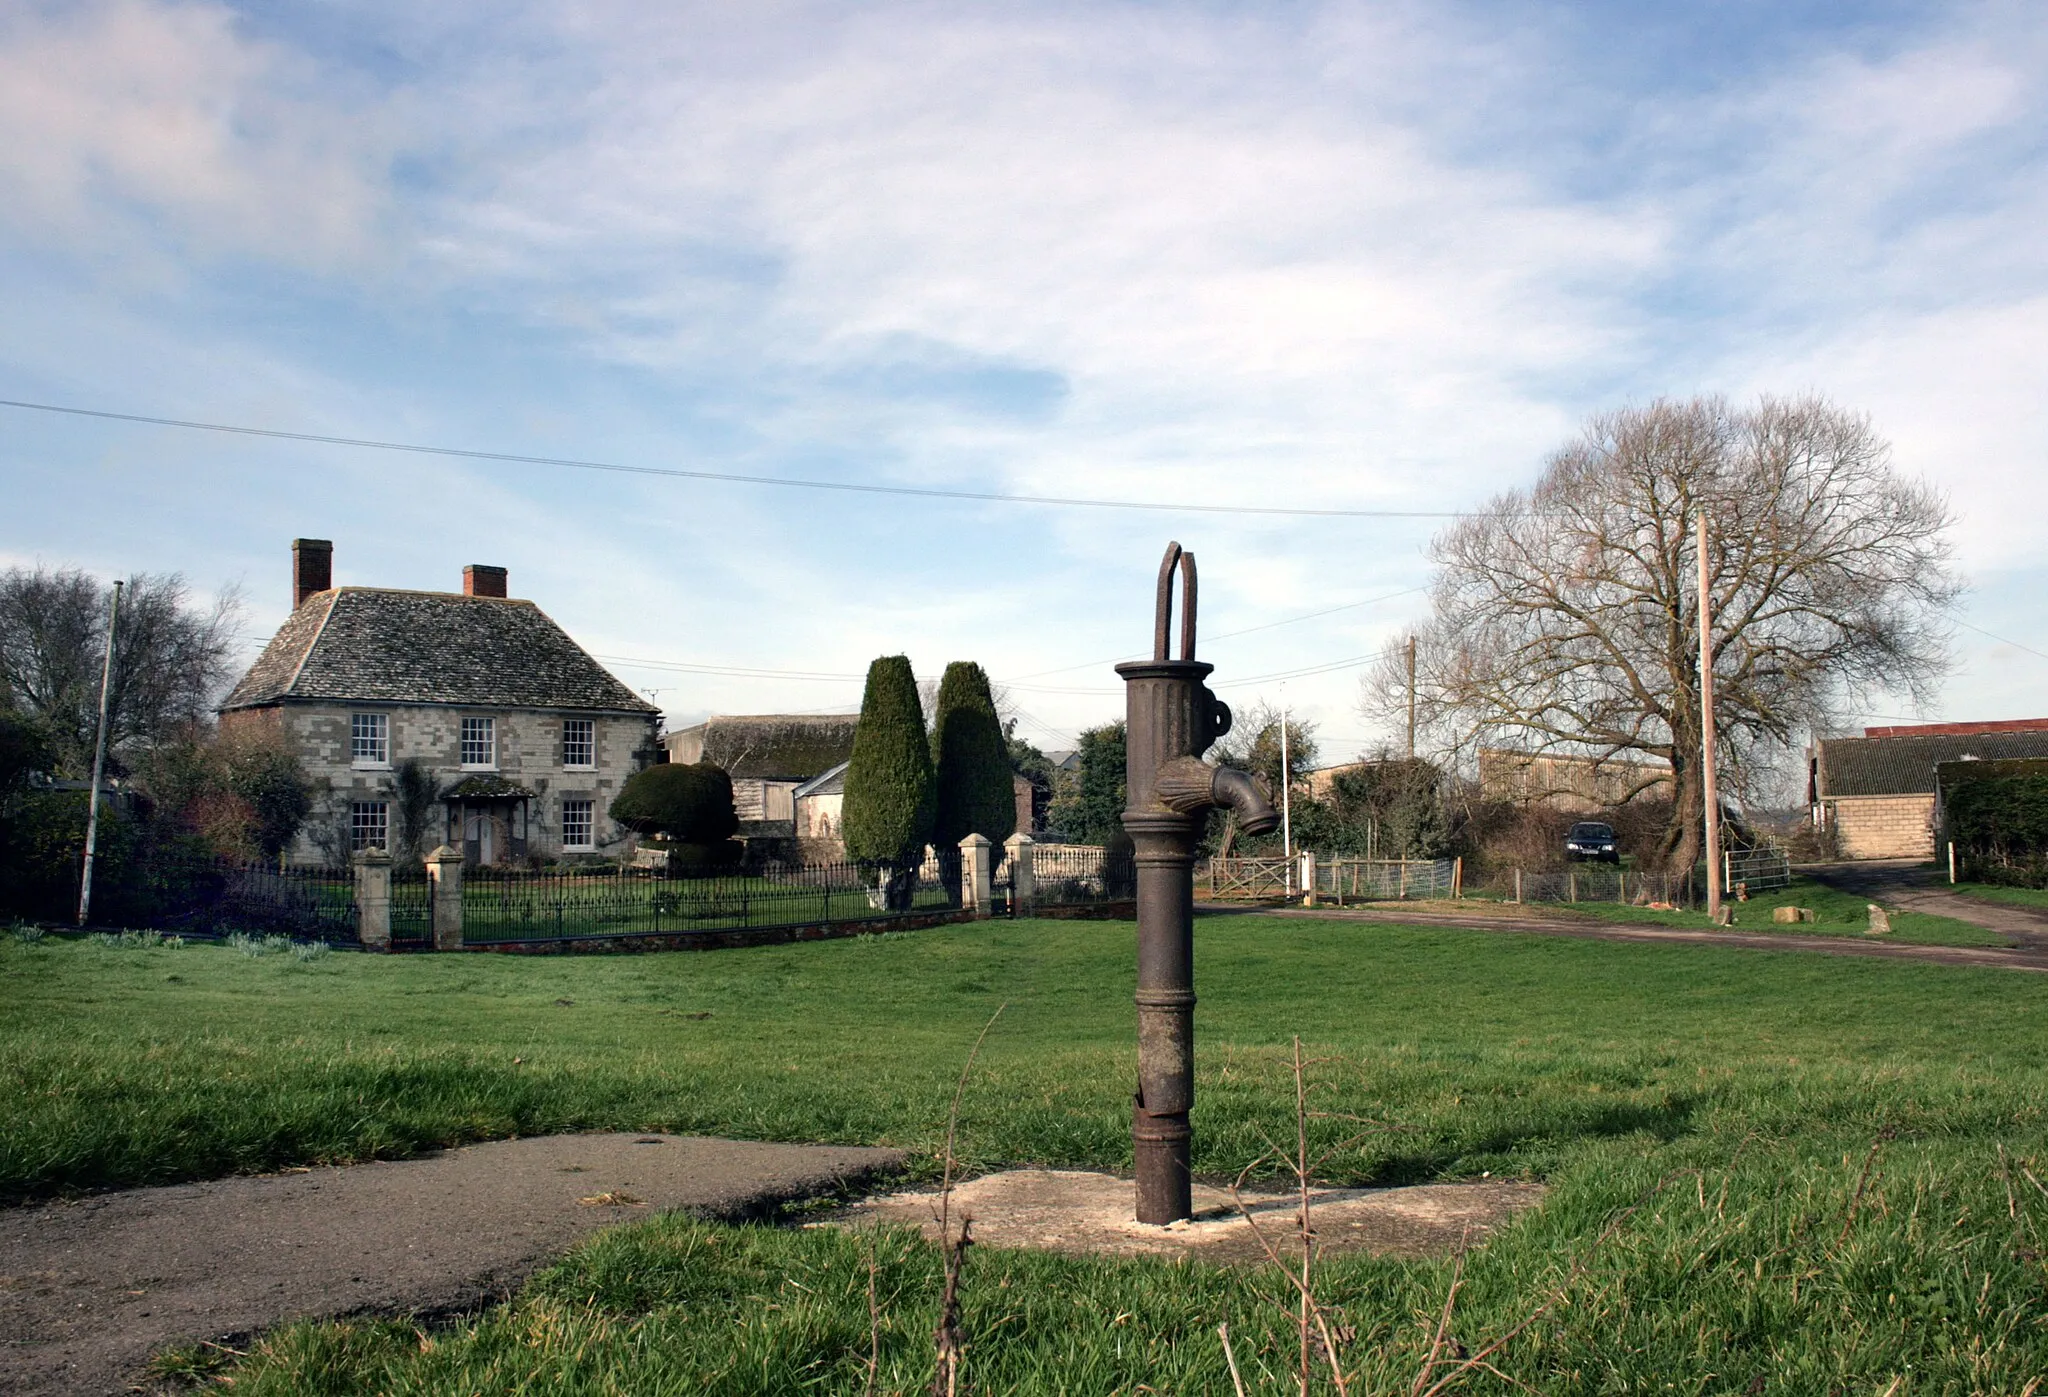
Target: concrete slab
{"points": [[90, 1289], [1087, 1213]]}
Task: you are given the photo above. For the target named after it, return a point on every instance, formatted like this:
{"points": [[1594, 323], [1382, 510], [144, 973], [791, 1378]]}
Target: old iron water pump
{"points": [[1171, 719]]}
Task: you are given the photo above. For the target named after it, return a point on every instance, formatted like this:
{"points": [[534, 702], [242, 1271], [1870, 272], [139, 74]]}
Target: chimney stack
{"points": [[483, 580], [312, 568]]}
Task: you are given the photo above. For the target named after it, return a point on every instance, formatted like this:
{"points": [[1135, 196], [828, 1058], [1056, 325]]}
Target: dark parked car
{"points": [[1589, 839]]}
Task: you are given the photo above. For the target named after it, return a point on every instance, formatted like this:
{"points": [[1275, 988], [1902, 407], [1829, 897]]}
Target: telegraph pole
{"points": [[99, 763], [1411, 698], [1707, 783]]}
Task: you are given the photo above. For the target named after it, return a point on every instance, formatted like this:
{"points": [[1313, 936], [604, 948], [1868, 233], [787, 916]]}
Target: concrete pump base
{"points": [[1086, 1213]]}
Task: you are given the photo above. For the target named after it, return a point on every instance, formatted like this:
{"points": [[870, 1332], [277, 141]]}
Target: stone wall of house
{"points": [[1884, 827], [529, 754]]}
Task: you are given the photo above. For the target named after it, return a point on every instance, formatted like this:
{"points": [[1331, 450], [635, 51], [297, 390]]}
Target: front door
{"points": [[479, 844]]}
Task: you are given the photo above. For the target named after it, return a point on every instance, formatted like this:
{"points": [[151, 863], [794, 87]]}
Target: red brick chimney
{"points": [[483, 580], [312, 568]]}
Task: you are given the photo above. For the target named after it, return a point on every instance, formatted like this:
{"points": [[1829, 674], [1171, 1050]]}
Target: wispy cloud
{"points": [[1348, 254]]}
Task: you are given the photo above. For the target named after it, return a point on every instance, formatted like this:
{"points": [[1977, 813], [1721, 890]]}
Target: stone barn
{"points": [[768, 756]]}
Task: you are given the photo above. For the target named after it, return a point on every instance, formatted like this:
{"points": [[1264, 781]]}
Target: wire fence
{"points": [[1592, 883], [1361, 880], [1339, 879]]}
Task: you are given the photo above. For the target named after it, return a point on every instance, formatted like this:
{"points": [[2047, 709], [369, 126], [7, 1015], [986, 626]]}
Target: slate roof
{"points": [[828, 783], [769, 746], [1883, 766], [375, 644]]}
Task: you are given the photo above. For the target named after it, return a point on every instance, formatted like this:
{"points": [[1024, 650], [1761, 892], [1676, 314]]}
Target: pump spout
{"points": [[1242, 793], [1188, 785]]}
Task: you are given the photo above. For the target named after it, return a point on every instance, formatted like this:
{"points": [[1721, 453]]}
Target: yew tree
{"points": [[1563, 617], [971, 758]]}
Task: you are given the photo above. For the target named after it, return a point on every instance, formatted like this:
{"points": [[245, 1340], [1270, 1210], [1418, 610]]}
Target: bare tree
{"points": [[1564, 618], [171, 658]]}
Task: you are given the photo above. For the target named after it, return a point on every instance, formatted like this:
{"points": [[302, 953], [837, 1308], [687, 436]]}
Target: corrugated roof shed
{"points": [[1883, 766], [379, 645]]}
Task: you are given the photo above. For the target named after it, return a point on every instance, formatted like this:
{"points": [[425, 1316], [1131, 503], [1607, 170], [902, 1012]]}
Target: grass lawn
{"points": [[1998, 892], [1839, 914], [1835, 1211]]}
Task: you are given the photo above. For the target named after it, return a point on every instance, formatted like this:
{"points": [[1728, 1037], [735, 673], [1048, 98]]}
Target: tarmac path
{"points": [[1914, 887], [90, 1289]]}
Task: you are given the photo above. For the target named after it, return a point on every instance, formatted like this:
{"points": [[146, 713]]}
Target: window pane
{"points": [[479, 742], [369, 738], [576, 824], [579, 742], [369, 824]]}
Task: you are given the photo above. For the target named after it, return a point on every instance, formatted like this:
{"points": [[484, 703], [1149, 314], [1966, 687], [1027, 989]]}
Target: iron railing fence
{"points": [[412, 906], [202, 895], [501, 905], [1075, 875], [1346, 879]]}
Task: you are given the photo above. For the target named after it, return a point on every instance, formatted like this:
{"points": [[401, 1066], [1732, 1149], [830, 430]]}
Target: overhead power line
{"points": [[1212, 639], [2001, 639], [729, 477]]}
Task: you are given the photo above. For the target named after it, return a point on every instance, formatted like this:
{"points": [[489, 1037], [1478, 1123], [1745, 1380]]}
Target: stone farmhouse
{"points": [[1878, 792], [425, 718]]}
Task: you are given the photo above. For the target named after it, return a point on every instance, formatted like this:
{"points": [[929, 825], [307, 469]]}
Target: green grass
{"points": [[1838, 914], [1998, 892], [1601, 1068]]}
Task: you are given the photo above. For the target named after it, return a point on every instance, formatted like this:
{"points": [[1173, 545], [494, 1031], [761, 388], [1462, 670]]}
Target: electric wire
{"points": [[731, 477]]}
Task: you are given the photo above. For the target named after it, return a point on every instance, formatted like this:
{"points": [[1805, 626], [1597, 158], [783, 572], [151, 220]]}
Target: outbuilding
{"points": [[1877, 792]]}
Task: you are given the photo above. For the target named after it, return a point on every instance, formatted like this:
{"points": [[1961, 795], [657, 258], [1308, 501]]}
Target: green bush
{"points": [[2000, 828], [689, 804], [975, 795], [705, 860], [1091, 810]]}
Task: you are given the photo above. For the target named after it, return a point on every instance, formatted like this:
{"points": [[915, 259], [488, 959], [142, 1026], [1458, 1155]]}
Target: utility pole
{"points": [[1411, 698], [1707, 783], [1286, 793], [99, 763]]}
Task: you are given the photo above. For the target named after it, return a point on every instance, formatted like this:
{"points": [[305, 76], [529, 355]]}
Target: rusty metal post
{"points": [[1171, 719]]}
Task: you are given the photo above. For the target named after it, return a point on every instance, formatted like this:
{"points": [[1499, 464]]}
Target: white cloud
{"points": [[124, 111], [1310, 256]]}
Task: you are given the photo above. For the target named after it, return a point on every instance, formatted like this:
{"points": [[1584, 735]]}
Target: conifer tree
{"points": [[973, 759], [890, 794]]}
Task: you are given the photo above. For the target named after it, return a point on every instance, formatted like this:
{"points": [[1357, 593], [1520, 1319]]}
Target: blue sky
{"points": [[1345, 256]]}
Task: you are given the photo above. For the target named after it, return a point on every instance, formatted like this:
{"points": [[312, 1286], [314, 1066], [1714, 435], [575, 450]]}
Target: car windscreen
{"points": [[1591, 831]]}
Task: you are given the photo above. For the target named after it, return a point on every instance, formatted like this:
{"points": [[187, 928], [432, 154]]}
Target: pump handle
{"points": [[1162, 616]]}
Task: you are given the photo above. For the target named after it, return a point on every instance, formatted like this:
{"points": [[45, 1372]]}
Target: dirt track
{"points": [[92, 1288]]}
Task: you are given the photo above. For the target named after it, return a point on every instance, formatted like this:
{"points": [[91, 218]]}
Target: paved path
{"points": [[2032, 957], [90, 1289]]}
